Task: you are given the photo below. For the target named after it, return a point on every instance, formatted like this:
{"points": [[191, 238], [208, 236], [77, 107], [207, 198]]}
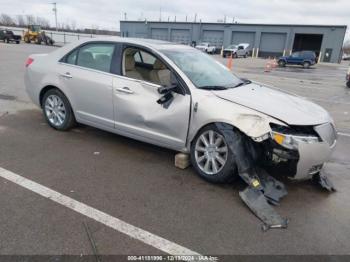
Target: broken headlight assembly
{"points": [[290, 137]]}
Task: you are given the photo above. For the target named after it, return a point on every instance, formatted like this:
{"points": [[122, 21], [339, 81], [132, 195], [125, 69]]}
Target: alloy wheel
{"points": [[211, 152], [55, 110]]}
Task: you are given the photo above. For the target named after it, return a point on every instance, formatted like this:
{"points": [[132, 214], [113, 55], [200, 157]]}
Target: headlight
{"points": [[284, 140], [291, 140]]}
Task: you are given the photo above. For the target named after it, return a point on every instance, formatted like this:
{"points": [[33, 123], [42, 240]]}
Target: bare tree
{"points": [[30, 20], [346, 47], [20, 21], [43, 22], [6, 20], [73, 25]]}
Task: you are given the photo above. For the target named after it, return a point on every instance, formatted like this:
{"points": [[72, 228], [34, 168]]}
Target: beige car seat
{"points": [[160, 74], [130, 70]]}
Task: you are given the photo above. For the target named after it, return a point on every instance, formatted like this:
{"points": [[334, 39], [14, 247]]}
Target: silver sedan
{"points": [[177, 97]]}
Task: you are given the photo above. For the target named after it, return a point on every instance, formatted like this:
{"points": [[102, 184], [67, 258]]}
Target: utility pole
{"points": [[160, 14], [54, 9]]}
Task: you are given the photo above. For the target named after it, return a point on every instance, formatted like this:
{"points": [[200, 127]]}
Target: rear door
{"points": [[137, 112], [85, 73]]}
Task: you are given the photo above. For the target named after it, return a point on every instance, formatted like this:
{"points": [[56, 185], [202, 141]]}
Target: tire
{"points": [[57, 110], [306, 65], [348, 84], [281, 63], [226, 171], [7, 40], [235, 55], [17, 42]]}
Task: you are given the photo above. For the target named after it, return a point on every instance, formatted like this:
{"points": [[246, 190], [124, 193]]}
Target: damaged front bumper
{"points": [[303, 154]]}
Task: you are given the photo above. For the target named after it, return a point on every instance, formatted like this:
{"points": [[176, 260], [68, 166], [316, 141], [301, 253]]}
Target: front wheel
{"points": [[57, 110], [211, 156], [306, 65]]}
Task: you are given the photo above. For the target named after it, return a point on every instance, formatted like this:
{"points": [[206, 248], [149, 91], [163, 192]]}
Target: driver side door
{"points": [[137, 112]]}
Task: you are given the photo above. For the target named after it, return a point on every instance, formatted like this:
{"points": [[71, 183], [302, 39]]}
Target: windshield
{"points": [[232, 47], [202, 70], [204, 44]]}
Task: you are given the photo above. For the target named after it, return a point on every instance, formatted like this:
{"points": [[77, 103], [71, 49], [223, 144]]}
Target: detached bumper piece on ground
{"points": [[263, 190]]}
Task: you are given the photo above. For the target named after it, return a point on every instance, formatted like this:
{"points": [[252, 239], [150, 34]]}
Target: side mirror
{"points": [[174, 85], [166, 91]]}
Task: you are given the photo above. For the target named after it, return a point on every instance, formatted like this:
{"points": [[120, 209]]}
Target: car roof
{"points": [[151, 43]]}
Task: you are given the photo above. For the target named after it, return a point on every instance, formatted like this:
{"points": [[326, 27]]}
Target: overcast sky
{"points": [[106, 14]]}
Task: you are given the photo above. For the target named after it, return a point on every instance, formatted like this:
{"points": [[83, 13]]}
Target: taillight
{"points": [[29, 61]]}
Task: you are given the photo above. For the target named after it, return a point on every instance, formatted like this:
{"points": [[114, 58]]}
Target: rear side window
{"points": [[96, 56]]}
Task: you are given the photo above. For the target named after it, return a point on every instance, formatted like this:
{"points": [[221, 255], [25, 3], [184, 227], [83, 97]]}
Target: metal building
{"points": [[265, 39]]}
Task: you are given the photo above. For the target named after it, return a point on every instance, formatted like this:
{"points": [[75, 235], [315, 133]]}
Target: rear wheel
{"points": [[211, 157], [306, 64], [57, 110], [235, 55], [282, 63], [348, 84]]}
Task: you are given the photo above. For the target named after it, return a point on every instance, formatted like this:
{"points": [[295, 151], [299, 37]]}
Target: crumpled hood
{"points": [[287, 108]]}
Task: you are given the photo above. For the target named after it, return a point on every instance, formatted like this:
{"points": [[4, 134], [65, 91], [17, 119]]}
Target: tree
{"points": [[6, 20], [30, 20], [20, 21], [346, 47]]}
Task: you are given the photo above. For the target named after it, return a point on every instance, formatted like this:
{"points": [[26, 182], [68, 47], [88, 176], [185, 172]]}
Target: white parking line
{"points": [[108, 220], [343, 134]]}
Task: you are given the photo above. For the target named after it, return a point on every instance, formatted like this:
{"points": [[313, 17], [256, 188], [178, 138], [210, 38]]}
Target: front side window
{"points": [[96, 56], [141, 65], [204, 71]]}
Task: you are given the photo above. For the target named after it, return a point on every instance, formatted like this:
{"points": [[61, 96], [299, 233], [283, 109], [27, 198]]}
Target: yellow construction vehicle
{"points": [[35, 35]]}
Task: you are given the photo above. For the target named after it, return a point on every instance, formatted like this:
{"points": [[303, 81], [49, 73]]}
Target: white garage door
{"points": [[180, 36], [272, 44], [214, 37], [159, 33], [243, 37]]}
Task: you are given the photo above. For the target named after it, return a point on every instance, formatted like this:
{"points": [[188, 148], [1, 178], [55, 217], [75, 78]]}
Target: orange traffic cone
{"points": [[268, 66], [274, 63], [229, 62]]}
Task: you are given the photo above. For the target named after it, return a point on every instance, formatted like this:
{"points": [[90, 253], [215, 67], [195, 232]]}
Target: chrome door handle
{"points": [[124, 90], [66, 75]]}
